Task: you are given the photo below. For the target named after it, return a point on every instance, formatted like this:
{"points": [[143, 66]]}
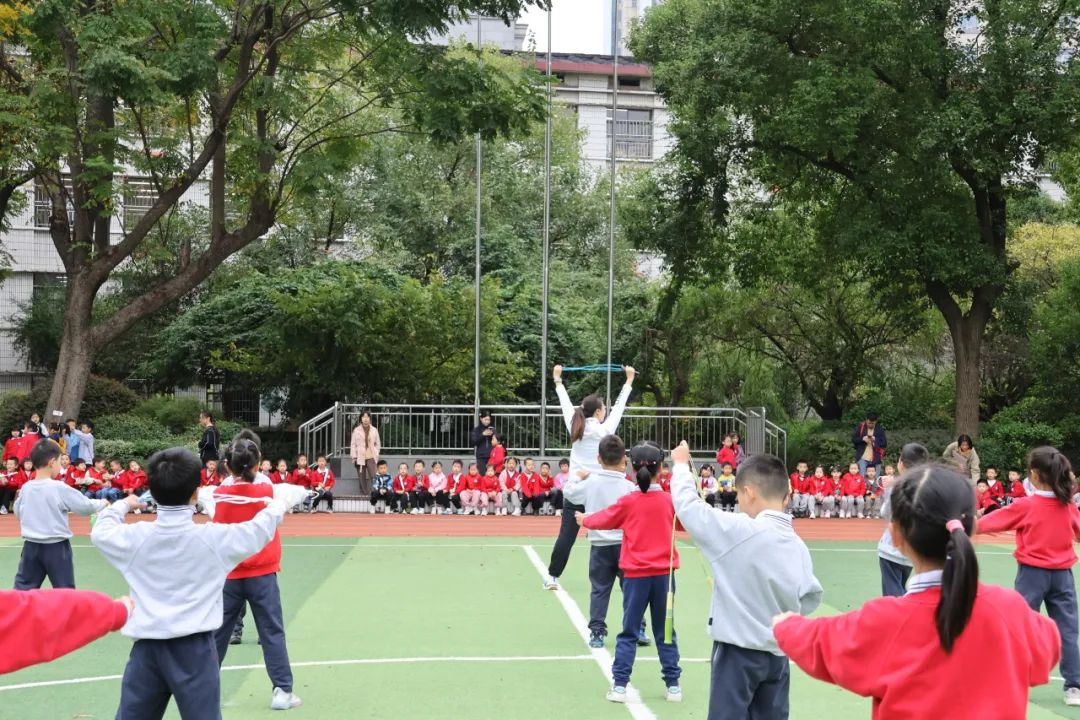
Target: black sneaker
{"points": [[643, 640], [596, 640], [236, 638]]}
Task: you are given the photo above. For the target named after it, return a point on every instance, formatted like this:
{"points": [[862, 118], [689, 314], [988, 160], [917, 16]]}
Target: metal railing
{"points": [[445, 429], [633, 139]]}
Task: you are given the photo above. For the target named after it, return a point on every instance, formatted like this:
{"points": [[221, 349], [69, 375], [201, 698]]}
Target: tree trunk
{"points": [[967, 337], [76, 356]]}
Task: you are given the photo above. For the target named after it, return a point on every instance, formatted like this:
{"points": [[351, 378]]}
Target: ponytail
{"points": [[1054, 470], [243, 458], [588, 408], [644, 478], [934, 510], [646, 458]]}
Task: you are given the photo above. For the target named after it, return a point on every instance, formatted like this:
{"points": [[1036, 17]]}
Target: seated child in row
{"points": [[985, 502], [852, 493], [557, 484], [382, 489], [727, 496], [708, 485]]}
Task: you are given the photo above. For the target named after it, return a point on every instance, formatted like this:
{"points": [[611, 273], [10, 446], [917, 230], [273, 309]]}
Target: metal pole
{"points": [[611, 222], [547, 239], [476, 281]]}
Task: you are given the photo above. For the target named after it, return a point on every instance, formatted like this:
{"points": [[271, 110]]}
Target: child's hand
{"points": [[631, 373], [582, 474], [777, 619], [133, 503], [556, 373], [128, 603], [681, 454], [579, 516]]}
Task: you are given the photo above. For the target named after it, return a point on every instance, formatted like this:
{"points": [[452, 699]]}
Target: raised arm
{"points": [[611, 423], [714, 532], [565, 403]]}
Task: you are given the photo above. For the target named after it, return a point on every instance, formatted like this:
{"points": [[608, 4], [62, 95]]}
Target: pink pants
{"points": [[471, 498], [488, 498]]}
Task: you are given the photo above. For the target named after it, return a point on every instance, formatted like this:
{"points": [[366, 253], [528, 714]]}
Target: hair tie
{"points": [[954, 525]]}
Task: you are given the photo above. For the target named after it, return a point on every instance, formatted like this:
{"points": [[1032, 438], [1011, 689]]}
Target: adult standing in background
{"points": [[869, 442], [210, 441], [481, 440], [364, 448], [961, 454]]}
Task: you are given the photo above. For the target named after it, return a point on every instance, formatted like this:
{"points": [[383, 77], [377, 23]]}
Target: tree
{"points": [[261, 100], [910, 119]]}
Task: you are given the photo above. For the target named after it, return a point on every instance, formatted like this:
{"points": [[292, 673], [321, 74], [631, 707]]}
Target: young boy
{"points": [[984, 502], [302, 475], [799, 503], [42, 507], [9, 479], [400, 488], [176, 570], [84, 436], [381, 489], [323, 485], [547, 487], [209, 474], [750, 676], [994, 486], [1016, 487], [510, 484], [533, 488], [597, 492], [280, 476], [873, 492], [490, 494], [894, 565], [455, 485], [82, 478], [726, 482], [419, 497], [852, 492]]}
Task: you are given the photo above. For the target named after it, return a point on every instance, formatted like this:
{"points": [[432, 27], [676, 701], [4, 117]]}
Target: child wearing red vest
{"points": [[133, 480], [647, 558], [254, 581], [8, 484], [455, 485], [852, 492], [1047, 524], [323, 485], [302, 475], [471, 495], [914, 655], [401, 487], [490, 492]]}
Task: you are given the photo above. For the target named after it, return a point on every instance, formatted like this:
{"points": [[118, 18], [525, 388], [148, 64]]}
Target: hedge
{"points": [[103, 397]]}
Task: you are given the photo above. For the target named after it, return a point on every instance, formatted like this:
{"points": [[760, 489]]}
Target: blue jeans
{"points": [[1057, 590], [110, 494], [638, 594], [863, 464]]}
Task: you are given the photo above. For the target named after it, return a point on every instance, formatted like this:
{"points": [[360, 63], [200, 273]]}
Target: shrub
{"points": [[1005, 440], [15, 409], [176, 414], [103, 397], [121, 450]]}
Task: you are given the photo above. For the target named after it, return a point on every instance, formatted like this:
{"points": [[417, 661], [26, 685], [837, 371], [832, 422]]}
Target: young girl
{"points": [[918, 655], [490, 494], [254, 581], [588, 425], [708, 485], [437, 489], [852, 492], [281, 475], [1046, 525], [726, 453], [557, 483], [510, 484], [646, 519], [471, 495]]}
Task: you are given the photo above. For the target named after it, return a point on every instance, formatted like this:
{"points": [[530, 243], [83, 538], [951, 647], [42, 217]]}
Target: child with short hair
{"points": [[455, 484], [302, 475], [984, 501], [708, 485], [821, 492], [437, 484], [750, 675], [176, 569], [323, 485], [895, 567], [646, 559], [26, 471], [726, 482], [491, 495], [382, 489], [852, 491], [8, 484], [799, 504], [133, 480], [209, 474], [1016, 487], [419, 497], [401, 489], [510, 483], [873, 492], [63, 473], [43, 506], [471, 495], [914, 655], [598, 491], [547, 488], [1047, 524], [557, 485], [994, 486], [81, 476], [536, 488], [12, 446]]}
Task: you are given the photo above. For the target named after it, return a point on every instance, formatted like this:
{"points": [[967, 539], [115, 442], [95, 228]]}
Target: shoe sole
{"points": [[674, 698], [616, 700]]}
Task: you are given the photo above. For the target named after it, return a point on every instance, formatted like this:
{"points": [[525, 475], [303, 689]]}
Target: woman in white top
{"points": [[588, 424]]}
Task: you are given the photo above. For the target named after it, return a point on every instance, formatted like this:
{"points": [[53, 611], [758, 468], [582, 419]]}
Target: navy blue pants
{"points": [[41, 560], [183, 668], [638, 594], [1057, 590], [262, 594], [603, 572], [748, 684], [894, 577]]}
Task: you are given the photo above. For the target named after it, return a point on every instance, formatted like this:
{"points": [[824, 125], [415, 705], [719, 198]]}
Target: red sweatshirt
{"points": [[665, 482], [985, 501], [279, 478], [26, 444], [455, 483], [1045, 530], [472, 482], [646, 520], [325, 478], [725, 455], [997, 490], [824, 486], [131, 481], [12, 448], [267, 560], [797, 482], [37, 626], [1017, 490], [531, 485], [489, 483], [96, 479], [301, 476], [497, 458], [853, 485], [419, 482], [74, 475], [889, 650]]}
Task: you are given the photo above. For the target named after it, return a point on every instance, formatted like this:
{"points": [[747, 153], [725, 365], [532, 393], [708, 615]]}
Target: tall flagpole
{"points": [[547, 240], [476, 281], [611, 222]]}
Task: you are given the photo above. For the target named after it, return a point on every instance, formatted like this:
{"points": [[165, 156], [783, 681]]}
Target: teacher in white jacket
{"points": [[587, 425]]}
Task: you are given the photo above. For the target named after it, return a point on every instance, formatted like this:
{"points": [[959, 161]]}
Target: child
{"points": [[510, 483], [209, 474], [490, 492], [382, 489], [323, 485], [302, 475], [26, 472], [176, 569], [419, 497], [799, 501], [750, 675], [708, 485], [471, 495], [82, 477], [400, 488], [498, 454], [84, 436], [437, 489], [455, 485], [1046, 525], [1017, 490], [820, 489], [984, 501], [13, 445], [994, 486], [133, 480], [873, 492], [596, 492], [254, 581], [646, 559], [665, 478], [894, 565], [852, 490], [557, 484], [726, 482], [42, 507], [536, 489], [726, 453], [266, 467], [63, 474], [280, 476], [39, 626], [9, 484], [546, 487], [916, 655]]}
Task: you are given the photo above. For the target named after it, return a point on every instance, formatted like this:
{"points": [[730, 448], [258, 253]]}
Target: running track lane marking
{"points": [[638, 709]]}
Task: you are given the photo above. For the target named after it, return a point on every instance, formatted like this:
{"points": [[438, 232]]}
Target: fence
{"points": [[445, 429]]}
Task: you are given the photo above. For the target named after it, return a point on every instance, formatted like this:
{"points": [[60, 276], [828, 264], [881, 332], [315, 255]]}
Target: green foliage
{"points": [[1007, 439], [828, 444], [103, 397], [174, 414]]}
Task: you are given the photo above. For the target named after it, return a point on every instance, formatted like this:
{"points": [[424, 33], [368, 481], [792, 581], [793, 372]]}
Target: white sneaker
{"points": [[617, 694], [861, 516], [386, 510], [281, 700], [3, 510], [674, 694], [517, 512], [1072, 696], [551, 583], [484, 511], [371, 510]]}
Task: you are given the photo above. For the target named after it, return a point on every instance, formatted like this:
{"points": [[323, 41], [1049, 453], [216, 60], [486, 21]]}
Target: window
{"points": [[139, 197], [633, 134], [43, 203], [629, 82]]}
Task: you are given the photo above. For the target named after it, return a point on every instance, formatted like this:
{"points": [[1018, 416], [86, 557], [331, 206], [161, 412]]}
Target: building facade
{"points": [[493, 31]]}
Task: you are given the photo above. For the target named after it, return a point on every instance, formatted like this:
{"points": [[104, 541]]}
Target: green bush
{"points": [[1006, 440], [178, 415], [103, 397], [121, 450], [15, 409]]}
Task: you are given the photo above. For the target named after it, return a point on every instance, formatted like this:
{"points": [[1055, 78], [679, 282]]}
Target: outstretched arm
{"points": [[714, 532], [615, 416], [565, 403]]}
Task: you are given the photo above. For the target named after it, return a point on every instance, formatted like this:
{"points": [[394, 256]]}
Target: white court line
{"points": [[638, 709], [325, 663]]}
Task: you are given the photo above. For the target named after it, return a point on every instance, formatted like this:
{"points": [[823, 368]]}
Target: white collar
{"points": [[1045, 493], [773, 516], [924, 581]]}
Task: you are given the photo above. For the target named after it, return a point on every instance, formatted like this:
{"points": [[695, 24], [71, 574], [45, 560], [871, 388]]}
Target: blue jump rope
{"points": [[594, 368]]}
